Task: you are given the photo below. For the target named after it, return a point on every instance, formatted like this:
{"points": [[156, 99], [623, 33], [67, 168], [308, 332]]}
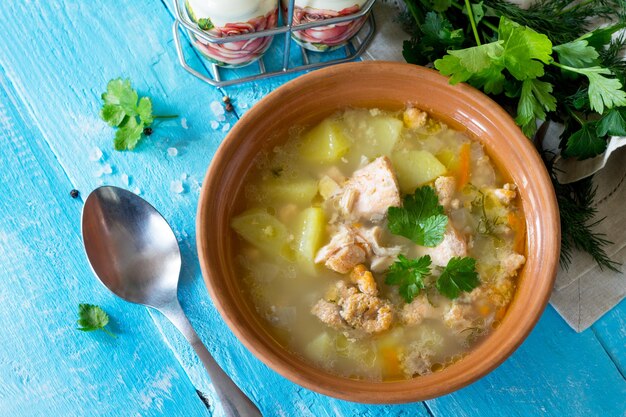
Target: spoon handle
{"points": [[234, 402]]}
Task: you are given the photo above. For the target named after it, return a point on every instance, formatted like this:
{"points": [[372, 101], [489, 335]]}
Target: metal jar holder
{"points": [[216, 77]]}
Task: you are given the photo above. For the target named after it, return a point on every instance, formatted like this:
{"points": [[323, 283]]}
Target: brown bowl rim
{"points": [[392, 392]]}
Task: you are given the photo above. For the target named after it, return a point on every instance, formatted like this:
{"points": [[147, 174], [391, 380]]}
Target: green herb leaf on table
{"points": [[409, 275], [459, 275], [92, 317], [420, 219], [123, 108]]}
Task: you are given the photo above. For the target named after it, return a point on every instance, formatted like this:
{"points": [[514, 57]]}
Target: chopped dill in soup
{"points": [[379, 245]]}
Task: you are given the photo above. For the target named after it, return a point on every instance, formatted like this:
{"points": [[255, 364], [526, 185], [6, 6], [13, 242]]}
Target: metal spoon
{"points": [[133, 251]]}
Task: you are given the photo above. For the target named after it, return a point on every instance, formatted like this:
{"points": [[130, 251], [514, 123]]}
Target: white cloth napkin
{"points": [[583, 292]]}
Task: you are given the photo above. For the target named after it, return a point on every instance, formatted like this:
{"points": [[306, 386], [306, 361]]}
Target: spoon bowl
{"points": [[134, 252], [143, 263]]}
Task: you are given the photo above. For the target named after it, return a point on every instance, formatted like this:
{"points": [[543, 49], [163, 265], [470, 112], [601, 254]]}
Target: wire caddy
{"points": [[223, 77]]}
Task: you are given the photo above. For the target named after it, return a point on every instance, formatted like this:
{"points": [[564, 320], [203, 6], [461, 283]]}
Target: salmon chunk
{"points": [[372, 190], [351, 246], [343, 252], [453, 245]]}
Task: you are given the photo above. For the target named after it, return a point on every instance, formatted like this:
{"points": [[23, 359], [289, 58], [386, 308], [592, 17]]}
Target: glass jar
{"points": [[330, 37], [221, 18]]}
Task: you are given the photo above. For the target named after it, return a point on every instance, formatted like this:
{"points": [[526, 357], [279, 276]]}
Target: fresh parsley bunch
{"points": [[540, 64], [122, 108]]}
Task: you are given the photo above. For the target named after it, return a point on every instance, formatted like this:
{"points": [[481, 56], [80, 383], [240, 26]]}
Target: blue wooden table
{"points": [[55, 60]]}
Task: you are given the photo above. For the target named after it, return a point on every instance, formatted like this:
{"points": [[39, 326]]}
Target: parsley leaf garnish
{"points": [[459, 275], [420, 218], [92, 317], [123, 108], [409, 275]]}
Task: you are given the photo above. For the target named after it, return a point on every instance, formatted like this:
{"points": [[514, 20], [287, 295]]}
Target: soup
{"points": [[379, 245]]}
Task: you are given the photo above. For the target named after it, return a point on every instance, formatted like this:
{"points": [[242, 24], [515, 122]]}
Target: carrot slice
{"points": [[517, 225]]}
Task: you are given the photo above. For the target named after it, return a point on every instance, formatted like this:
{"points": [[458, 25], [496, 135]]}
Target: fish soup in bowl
{"points": [[383, 238], [379, 245]]}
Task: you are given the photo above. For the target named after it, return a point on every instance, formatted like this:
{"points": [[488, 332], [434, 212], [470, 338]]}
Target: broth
{"points": [[316, 247]]}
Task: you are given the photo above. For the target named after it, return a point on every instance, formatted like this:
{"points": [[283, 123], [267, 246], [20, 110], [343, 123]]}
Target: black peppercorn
{"points": [[229, 107], [147, 131], [74, 193]]}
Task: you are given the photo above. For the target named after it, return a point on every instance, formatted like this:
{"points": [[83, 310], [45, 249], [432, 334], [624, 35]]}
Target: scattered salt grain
{"points": [[221, 118], [244, 105], [107, 169], [136, 190], [183, 176], [172, 151], [95, 154], [183, 123], [125, 179], [98, 172], [226, 127], [214, 124], [176, 186], [217, 108]]}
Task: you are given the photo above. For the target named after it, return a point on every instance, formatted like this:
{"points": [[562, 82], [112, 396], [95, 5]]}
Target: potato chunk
{"points": [[309, 232], [416, 168], [264, 231], [297, 191], [325, 143]]}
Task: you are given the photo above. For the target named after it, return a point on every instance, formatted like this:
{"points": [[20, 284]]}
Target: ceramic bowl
{"points": [[307, 100]]}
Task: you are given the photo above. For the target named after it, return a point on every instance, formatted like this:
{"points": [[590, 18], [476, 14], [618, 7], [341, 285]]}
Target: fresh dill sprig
{"points": [[578, 219], [560, 20]]}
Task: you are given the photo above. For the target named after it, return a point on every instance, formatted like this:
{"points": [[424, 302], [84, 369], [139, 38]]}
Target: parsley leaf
{"points": [[520, 50], [123, 108], [525, 51], [612, 123], [535, 100], [92, 317], [128, 135], [409, 275], [577, 53], [459, 275], [420, 218], [602, 91], [437, 35], [585, 143]]}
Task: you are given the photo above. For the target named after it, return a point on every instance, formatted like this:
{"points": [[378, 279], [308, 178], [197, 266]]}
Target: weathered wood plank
{"points": [[46, 366], [64, 102], [611, 332]]}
